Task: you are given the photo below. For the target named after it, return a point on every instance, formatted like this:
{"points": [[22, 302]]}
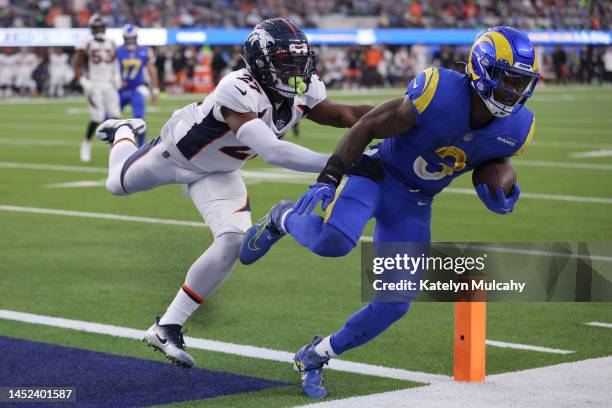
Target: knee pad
{"points": [[332, 242]]}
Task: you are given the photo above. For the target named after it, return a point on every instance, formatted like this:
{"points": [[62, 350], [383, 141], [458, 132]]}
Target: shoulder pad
{"points": [[422, 89], [239, 92], [527, 129]]}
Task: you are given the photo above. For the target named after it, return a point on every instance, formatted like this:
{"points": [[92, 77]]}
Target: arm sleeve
{"points": [[260, 138]]}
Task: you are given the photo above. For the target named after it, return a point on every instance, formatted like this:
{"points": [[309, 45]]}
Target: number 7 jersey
{"points": [[201, 139]]}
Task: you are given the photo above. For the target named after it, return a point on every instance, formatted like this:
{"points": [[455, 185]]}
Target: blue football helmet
{"points": [[130, 36], [503, 69], [279, 57]]}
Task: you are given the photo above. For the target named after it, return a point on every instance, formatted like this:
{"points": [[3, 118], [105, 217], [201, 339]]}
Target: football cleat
{"points": [[86, 151], [106, 131], [260, 237], [168, 339], [310, 366]]}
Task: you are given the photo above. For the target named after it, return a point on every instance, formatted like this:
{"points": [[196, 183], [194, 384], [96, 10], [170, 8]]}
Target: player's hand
{"points": [[318, 192], [502, 204], [85, 84], [154, 96]]}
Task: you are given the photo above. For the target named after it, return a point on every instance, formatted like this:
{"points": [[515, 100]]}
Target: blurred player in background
{"points": [[205, 144], [27, 62], [60, 72], [445, 125], [8, 69], [133, 58], [102, 81]]}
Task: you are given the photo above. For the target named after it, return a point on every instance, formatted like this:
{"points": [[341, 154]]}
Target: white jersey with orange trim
{"points": [[199, 136], [101, 60]]}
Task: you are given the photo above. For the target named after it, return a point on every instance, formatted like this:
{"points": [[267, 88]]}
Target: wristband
{"points": [[333, 171]]}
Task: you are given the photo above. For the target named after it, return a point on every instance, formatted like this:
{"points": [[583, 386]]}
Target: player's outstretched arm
{"points": [[339, 115], [389, 119], [254, 133]]}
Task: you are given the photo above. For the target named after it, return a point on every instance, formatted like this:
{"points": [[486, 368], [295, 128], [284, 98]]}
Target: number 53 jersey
{"points": [[200, 138], [442, 100]]}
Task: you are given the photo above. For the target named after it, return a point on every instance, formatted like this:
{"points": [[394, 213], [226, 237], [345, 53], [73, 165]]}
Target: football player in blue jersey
{"points": [[133, 58], [445, 125]]}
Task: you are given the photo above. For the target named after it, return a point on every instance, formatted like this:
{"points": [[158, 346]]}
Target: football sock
{"points": [[214, 265], [91, 128], [204, 277], [181, 308], [123, 148], [366, 324], [324, 348], [321, 238]]}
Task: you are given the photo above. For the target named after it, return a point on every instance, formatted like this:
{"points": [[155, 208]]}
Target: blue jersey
{"points": [[131, 64], [442, 100]]}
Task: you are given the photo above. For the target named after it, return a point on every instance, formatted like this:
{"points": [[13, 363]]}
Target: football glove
{"points": [[502, 204], [318, 192]]}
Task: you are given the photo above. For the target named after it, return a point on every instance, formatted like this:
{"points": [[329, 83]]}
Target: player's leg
{"points": [[138, 100], [221, 199], [112, 106], [95, 104], [401, 217]]}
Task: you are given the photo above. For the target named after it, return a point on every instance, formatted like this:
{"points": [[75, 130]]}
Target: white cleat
{"points": [[106, 131], [168, 339], [86, 151]]}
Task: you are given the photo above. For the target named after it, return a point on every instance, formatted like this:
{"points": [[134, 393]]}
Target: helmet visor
{"points": [[512, 84]]}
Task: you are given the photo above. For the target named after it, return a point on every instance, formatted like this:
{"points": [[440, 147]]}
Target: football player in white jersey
{"points": [[8, 69], [204, 145], [60, 72], [102, 81]]}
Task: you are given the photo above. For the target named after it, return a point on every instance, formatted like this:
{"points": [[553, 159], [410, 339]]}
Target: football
{"points": [[495, 173]]}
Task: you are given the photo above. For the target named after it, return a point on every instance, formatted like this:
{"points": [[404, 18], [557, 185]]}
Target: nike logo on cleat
{"points": [[163, 341], [240, 90]]}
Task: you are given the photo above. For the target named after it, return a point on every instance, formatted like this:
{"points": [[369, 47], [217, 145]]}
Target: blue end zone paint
{"points": [[107, 380]]}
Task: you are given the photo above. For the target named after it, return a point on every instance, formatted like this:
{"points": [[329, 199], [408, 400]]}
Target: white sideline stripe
{"points": [[519, 251], [518, 346], [366, 238], [600, 324], [538, 196], [592, 153], [223, 347], [53, 167], [77, 184], [562, 165], [116, 217]]}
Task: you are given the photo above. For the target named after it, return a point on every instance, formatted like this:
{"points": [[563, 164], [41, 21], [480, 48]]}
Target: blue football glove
{"points": [[318, 192], [502, 205]]}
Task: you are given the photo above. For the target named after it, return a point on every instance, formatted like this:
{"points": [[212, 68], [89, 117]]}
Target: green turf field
{"points": [[125, 273]]}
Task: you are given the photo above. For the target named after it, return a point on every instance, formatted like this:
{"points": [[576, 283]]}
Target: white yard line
{"points": [[518, 346], [600, 324], [104, 216], [538, 196], [562, 165], [578, 384], [223, 347], [592, 153]]}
